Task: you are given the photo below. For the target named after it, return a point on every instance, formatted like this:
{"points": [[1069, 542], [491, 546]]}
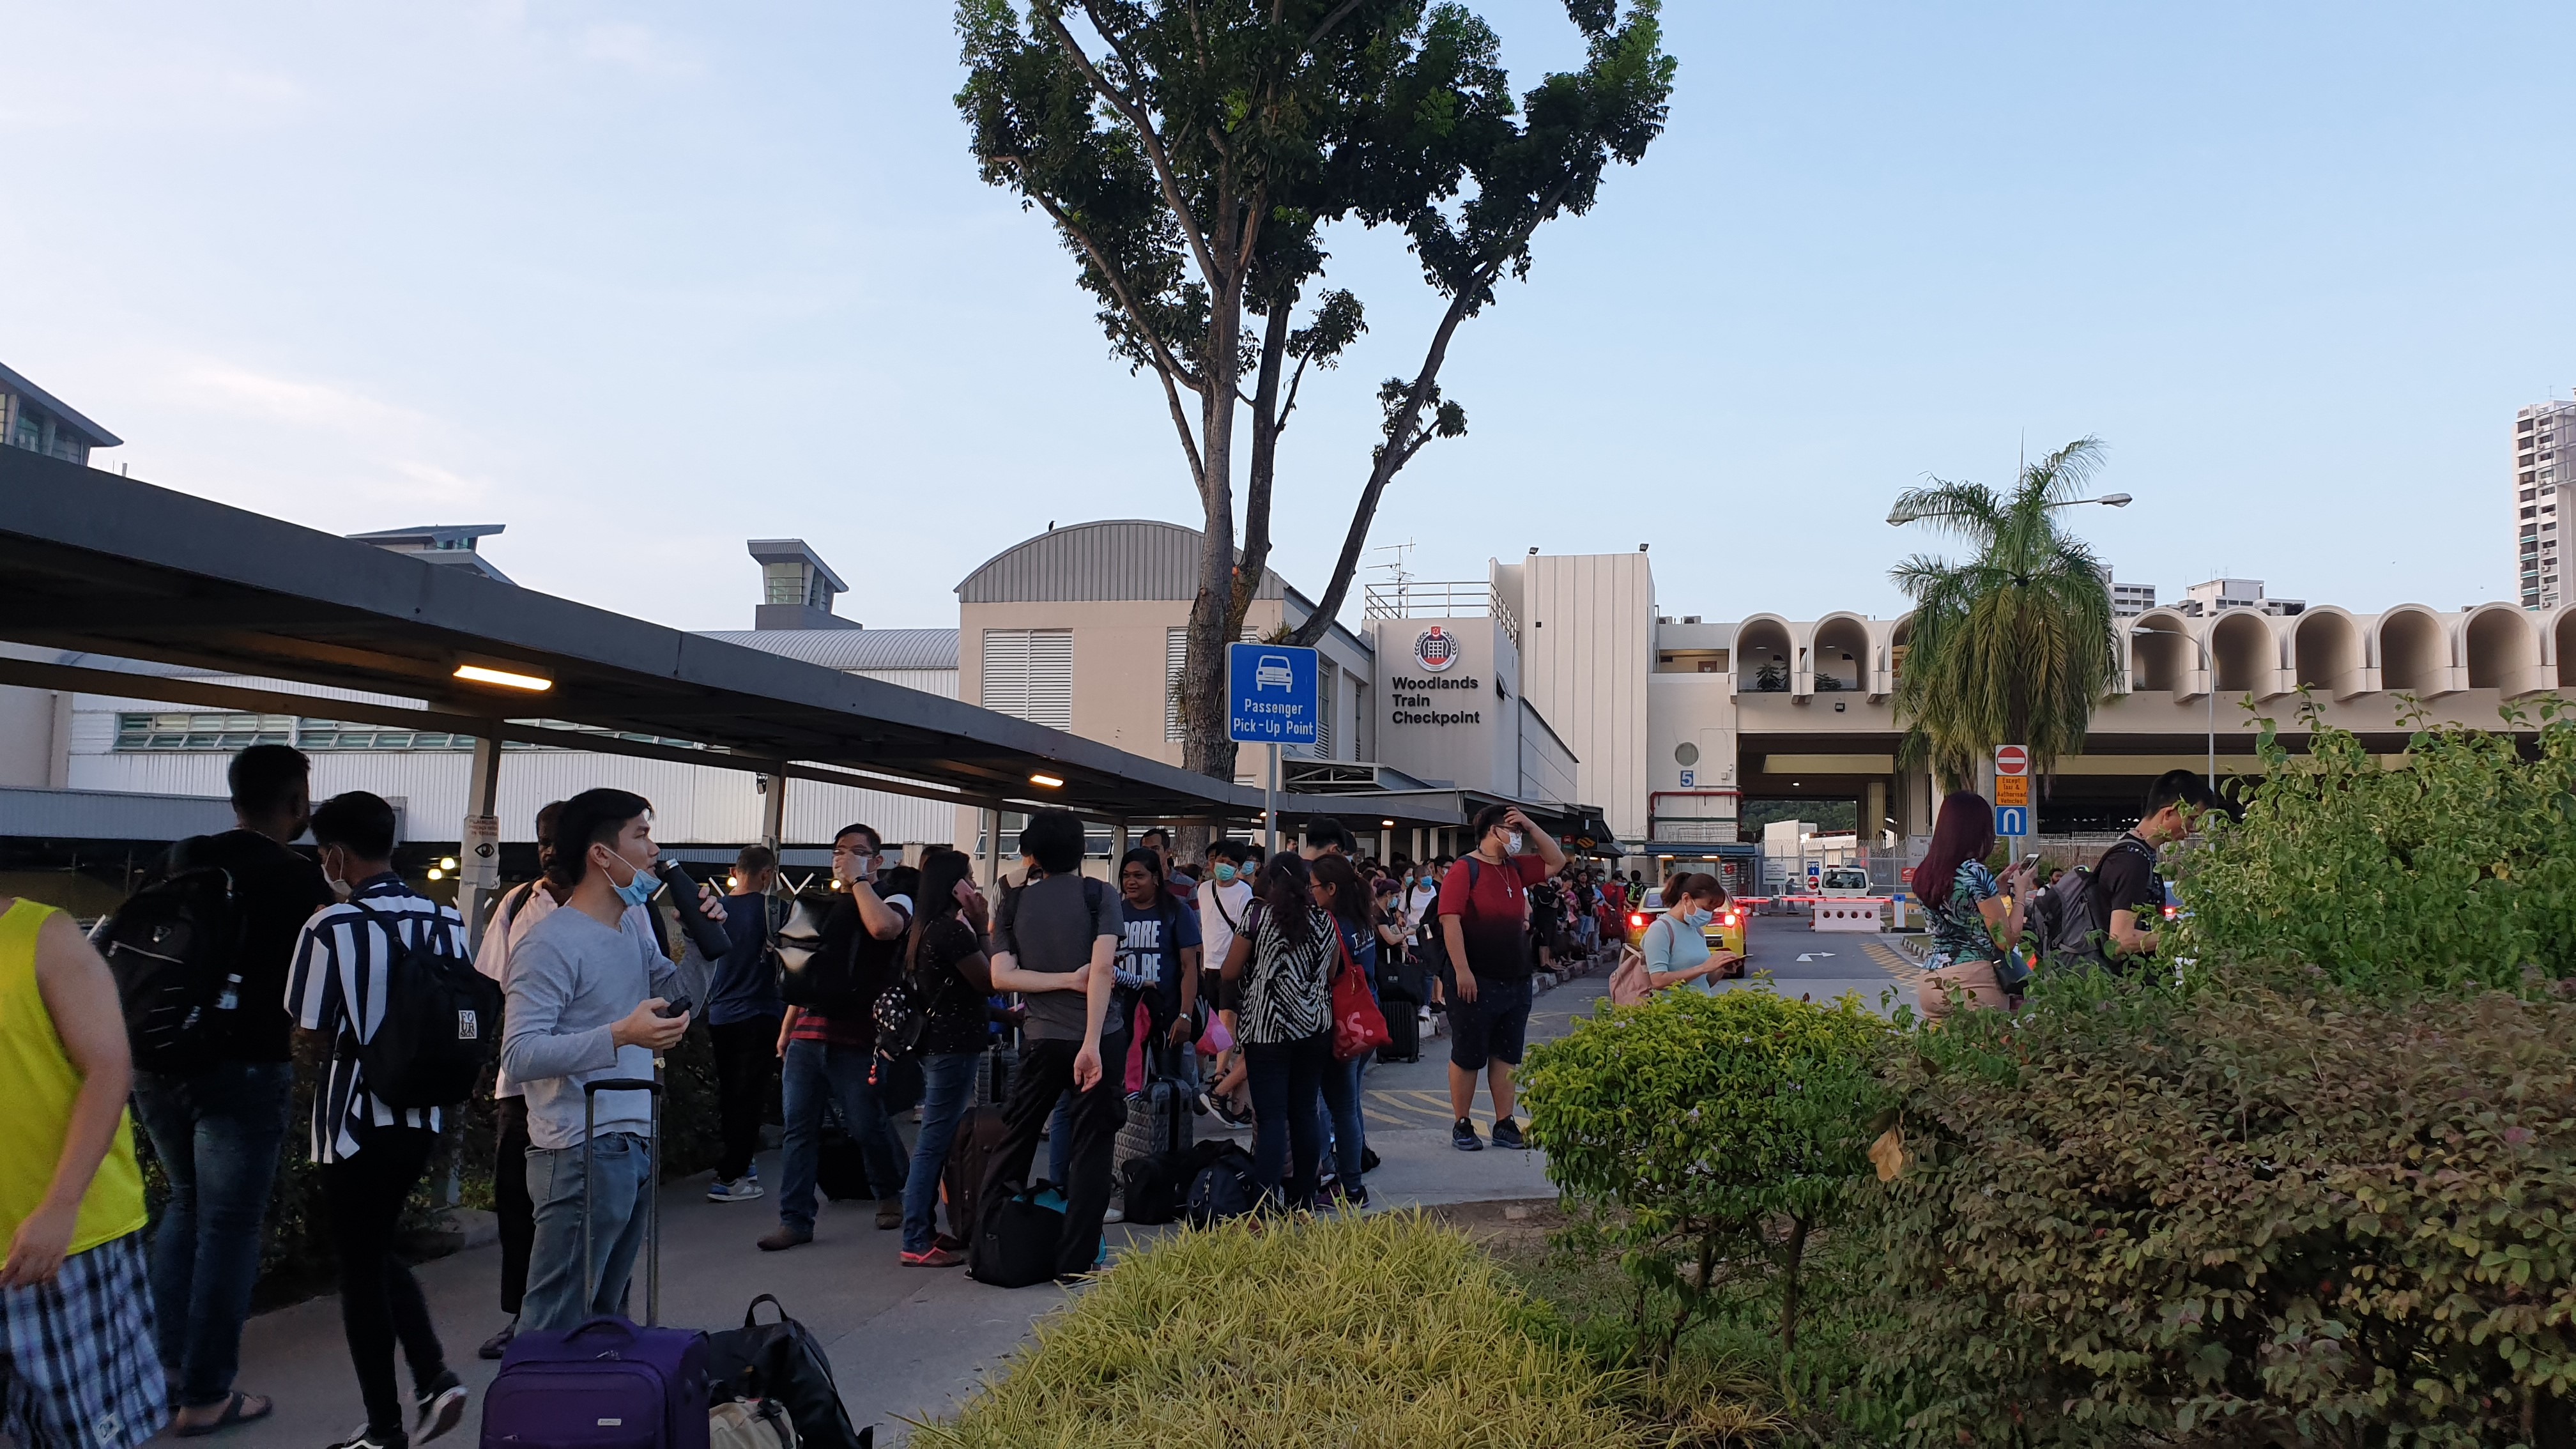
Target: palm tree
{"points": [[2014, 645]]}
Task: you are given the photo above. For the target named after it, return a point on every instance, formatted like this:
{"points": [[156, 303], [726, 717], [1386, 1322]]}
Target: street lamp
{"points": [[2107, 500], [2209, 667]]}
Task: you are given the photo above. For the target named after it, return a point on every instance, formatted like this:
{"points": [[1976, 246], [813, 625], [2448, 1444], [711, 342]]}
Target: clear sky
{"points": [[642, 281]]}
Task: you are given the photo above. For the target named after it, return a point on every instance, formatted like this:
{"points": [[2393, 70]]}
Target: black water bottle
{"points": [[710, 935]]}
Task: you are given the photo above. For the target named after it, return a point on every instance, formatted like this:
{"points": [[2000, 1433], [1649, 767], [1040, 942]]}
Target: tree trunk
{"points": [[1792, 1255], [1205, 747]]}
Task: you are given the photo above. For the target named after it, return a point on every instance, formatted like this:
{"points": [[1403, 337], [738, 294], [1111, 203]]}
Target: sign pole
{"points": [[1270, 808]]}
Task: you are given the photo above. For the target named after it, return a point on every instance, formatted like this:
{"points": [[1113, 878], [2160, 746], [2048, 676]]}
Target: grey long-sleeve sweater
{"points": [[571, 980]]}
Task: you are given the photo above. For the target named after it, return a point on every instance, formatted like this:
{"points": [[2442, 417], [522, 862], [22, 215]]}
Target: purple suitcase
{"points": [[608, 1384]]}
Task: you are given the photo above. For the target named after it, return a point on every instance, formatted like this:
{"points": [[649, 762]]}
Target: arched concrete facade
{"points": [[2159, 661], [2330, 653], [2414, 651], [1841, 653], [2501, 648], [1764, 639], [2247, 654], [2563, 642]]}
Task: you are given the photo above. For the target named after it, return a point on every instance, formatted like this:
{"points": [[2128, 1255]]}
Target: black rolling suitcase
{"points": [[1403, 1032]]}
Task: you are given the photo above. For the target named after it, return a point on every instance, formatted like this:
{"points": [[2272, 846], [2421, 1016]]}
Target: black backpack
{"points": [[441, 1025], [1223, 1188], [174, 948], [2072, 918], [1019, 1240]]}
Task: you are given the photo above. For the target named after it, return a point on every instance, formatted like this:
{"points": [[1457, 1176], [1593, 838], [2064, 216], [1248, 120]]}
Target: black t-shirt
{"points": [[279, 889], [956, 1022], [2127, 881]]}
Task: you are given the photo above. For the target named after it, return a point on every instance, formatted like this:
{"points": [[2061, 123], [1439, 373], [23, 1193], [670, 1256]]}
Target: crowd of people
{"points": [[1217, 973]]}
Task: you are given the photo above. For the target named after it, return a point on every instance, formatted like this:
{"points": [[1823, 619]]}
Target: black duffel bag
{"points": [[1019, 1240], [782, 1362]]}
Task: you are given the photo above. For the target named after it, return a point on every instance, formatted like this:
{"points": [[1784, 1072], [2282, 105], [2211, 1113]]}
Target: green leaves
{"points": [[2455, 868], [2259, 1203], [1706, 1134], [2015, 643]]}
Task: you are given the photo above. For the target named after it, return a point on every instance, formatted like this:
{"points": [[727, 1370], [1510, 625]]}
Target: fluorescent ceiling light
{"points": [[483, 675], [1049, 781]]}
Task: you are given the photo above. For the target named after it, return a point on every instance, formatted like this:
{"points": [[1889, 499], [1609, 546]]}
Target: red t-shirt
{"points": [[1494, 915]]}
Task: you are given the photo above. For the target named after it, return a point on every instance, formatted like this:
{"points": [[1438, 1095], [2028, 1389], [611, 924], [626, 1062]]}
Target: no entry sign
{"points": [[2012, 759]]}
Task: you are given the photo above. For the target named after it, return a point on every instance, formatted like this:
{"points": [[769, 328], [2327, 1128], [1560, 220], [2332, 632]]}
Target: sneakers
{"points": [[1231, 1115], [936, 1257], [441, 1406], [1200, 1104], [1463, 1137], [1115, 1214], [786, 1237], [368, 1439], [1507, 1133], [499, 1343], [741, 1189]]}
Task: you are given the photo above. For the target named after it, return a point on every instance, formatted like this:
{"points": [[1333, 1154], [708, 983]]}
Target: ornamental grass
{"points": [[1384, 1332]]}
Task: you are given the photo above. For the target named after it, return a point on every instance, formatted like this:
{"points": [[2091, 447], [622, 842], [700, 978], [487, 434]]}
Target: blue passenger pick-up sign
{"points": [[1271, 694]]}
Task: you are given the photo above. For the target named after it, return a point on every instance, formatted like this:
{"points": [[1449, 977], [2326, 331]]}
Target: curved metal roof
{"points": [[1114, 559], [853, 649]]}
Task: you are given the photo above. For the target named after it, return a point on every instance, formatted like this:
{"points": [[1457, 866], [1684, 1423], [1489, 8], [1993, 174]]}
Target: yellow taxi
{"points": [[1725, 930]]}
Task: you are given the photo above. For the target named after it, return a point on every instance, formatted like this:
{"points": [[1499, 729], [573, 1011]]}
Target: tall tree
{"points": [[1551, 165], [2013, 645], [1190, 154]]}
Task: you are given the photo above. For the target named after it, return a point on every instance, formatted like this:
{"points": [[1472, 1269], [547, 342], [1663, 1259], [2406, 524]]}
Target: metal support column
{"points": [[992, 861], [773, 810], [1270, 808], [1117, 846], [478, 851]]}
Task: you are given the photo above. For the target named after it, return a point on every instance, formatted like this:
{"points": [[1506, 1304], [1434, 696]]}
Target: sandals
{"points": [[234, 1413]]}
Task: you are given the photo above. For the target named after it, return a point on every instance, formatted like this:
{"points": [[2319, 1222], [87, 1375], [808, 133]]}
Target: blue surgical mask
{"points": [[1699, 919], [640, 889], [1224, 874]]}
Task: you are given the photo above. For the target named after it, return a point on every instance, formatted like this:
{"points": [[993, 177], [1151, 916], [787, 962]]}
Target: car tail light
{"points": [[1729, 919], [2172, 911]]}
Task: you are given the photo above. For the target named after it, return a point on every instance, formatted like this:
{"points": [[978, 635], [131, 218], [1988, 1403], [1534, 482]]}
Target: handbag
{"points": [[1358, 1026], [1631, 983], [902, 1010]]}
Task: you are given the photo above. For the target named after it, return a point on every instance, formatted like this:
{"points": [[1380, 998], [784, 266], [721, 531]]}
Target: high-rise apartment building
{"points": [[2540, 433], [2128, 601]]}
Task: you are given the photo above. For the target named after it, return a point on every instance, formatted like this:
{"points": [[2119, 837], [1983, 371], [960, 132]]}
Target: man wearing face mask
{"points": [[1484, 920], [588, 989]]}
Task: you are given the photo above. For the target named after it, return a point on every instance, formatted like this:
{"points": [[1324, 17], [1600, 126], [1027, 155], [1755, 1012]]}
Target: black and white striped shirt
{"points": [[338, 981]]}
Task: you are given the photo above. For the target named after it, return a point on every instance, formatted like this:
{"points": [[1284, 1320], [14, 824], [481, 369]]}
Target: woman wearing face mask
{"points": [[1223, 898], [1676, 943]]}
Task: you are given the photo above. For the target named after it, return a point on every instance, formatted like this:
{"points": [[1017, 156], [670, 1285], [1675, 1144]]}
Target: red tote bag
{"points": [[1358, 1026]]}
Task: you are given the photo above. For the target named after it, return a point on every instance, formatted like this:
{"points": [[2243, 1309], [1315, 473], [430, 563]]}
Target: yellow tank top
{"points": [[38, 1082]]}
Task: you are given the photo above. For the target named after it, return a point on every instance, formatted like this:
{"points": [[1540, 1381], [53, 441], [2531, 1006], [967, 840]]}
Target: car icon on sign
{"points": [[1271, 671]]}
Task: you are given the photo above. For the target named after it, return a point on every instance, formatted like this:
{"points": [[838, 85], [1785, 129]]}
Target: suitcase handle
{"points": [[652, 1089], [605, 1320], [752, 1311]]}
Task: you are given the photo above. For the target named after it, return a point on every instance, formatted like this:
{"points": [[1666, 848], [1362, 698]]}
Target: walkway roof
{"points": [[98, 563]]}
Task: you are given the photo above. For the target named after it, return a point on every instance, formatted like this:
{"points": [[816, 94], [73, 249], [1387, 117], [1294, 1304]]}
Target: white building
{"points": [[2540, 433]]}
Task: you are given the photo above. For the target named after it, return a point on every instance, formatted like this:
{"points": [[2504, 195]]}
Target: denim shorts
{"points": [[1494, 1026]]}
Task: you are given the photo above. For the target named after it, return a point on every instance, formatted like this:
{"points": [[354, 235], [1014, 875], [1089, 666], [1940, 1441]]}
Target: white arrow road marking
{"points": [[1815, 955]]}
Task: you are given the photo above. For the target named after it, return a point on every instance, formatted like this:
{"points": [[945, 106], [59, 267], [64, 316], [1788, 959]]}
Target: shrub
{"points": [[2263, 1212], [1706, 1136], [2458, 868], [1385, 1332]]}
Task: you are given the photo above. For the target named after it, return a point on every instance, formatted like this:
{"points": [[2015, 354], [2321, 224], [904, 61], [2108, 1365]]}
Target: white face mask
{"points": [[1517, 845]]}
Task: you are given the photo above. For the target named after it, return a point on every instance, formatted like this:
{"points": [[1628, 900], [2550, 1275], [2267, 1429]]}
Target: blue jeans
{"points": [[554, 1302], [1286, 1078], [947, 1086], [817, 1073], [217, 1135], [1345, 1134]]}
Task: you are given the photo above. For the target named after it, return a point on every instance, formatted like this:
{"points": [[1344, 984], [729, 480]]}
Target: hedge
{"points": [[2270, 1210]]}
